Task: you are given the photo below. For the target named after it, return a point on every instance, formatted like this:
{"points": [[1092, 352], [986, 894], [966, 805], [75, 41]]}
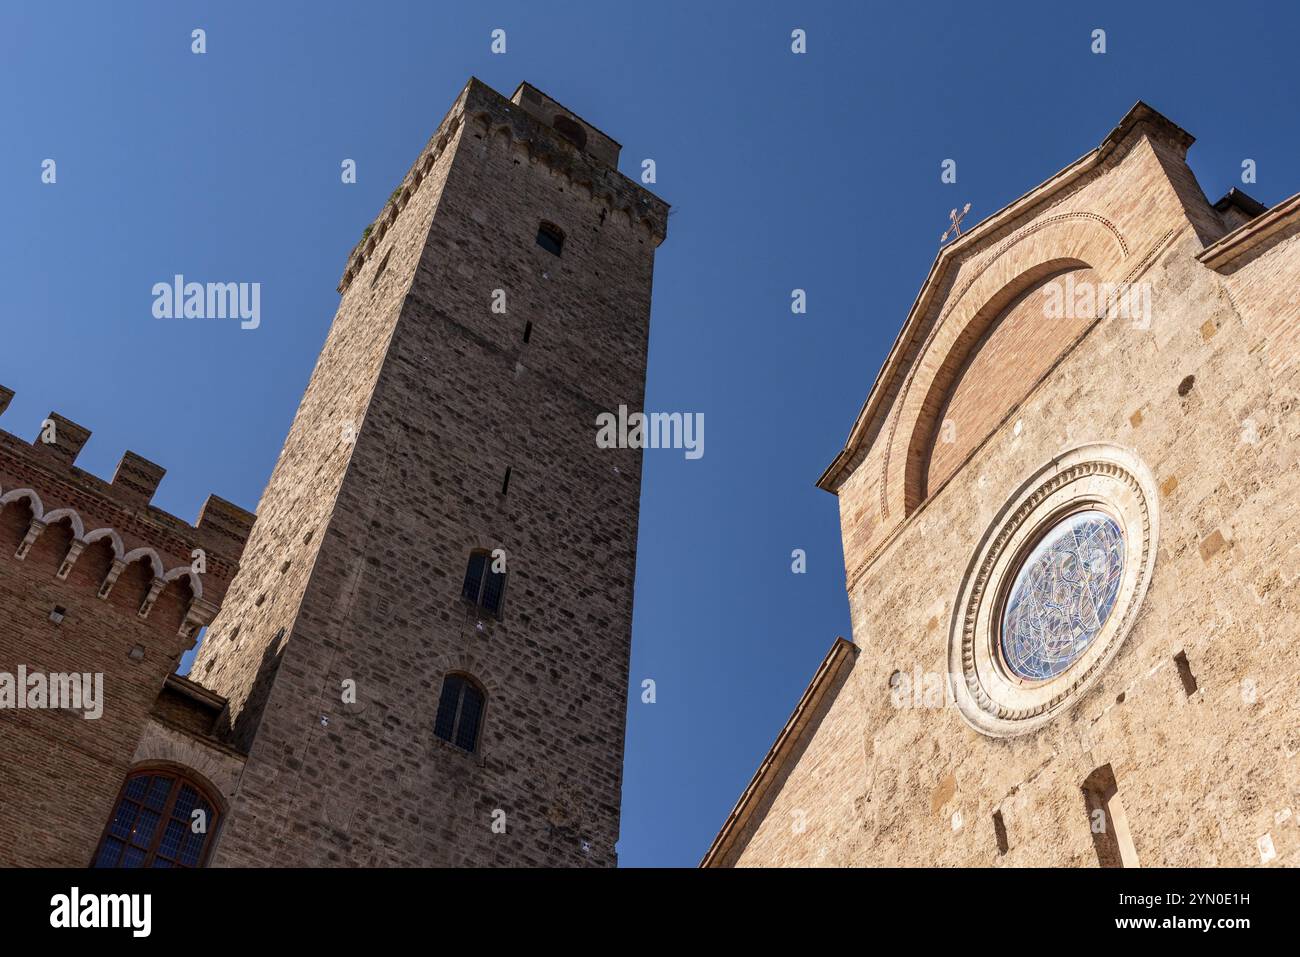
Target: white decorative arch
{"points": [[113, 537], [37, 506], [145, 552], [185, 571], [59, 514]]}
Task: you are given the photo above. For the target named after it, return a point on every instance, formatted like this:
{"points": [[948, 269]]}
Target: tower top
{"points": [[543, 132], [567, 123]]}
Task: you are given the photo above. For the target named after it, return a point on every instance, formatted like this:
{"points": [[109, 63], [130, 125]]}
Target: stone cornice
{"points": [[1251, 235]]}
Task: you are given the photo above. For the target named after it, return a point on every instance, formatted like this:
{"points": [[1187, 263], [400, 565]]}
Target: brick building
{"points": [[1067, 511], [421, 651]]}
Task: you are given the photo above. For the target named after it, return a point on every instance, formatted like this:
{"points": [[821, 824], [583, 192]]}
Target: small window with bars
{"points": [[155, 823], [483, 586], [460, 712]]}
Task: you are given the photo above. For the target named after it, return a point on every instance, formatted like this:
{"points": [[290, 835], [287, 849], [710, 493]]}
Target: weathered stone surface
{"points": [[393, 472], [1206, 396]]}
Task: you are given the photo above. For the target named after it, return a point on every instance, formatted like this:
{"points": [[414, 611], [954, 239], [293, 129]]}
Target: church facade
{"points": [[417, 652], [1071, 547]]}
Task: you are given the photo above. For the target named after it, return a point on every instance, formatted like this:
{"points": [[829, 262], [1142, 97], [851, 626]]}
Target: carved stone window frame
{"points": [[1112, 479]]}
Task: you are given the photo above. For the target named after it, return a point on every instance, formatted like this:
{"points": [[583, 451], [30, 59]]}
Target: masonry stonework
{"points": [[453, 409], [1193, 719], [394, 471]]}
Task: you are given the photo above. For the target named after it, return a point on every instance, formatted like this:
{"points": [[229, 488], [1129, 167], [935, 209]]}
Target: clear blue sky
{"points": [[818, 171]]}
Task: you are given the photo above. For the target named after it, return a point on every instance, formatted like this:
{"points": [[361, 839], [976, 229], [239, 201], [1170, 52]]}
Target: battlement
{"points": [[546, 133], [222, 526], [41, 476], [567, 123]]}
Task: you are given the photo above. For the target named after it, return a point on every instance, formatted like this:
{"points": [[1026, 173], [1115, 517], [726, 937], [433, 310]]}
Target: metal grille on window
{"points": [[493, 585], [460, 712], [474, 577], [483, 586]]}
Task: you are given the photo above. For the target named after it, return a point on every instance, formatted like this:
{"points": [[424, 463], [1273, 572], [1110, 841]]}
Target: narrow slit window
{"points": [[528, 331], [1185, 673], [1108, 821], [1000, 832]]}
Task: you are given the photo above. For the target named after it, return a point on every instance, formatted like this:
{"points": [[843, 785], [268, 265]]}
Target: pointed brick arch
{"points": [[982, 290], [949, 394]]}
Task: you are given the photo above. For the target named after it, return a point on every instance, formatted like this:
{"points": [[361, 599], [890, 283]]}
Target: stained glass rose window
{"points": [[1062, 595]]}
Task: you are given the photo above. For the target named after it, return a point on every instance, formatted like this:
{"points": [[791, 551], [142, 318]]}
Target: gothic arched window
{"points": [[460, 712], [161, 819], [484, 586]]}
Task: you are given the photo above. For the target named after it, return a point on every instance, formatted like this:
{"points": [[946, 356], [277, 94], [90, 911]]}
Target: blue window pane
{"points": [[123, 819], [172, 837], [160, 862], [185, 802], [109, 853], [1063, 595], [193, 849], [145, 826], [158, 791], [133, 857], [135, 788]]}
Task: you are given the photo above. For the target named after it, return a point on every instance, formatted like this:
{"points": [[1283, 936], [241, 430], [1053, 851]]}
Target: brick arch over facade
{"points": [[995, 361], [983, 292]]}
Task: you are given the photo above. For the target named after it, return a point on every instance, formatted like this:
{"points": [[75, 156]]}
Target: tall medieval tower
{"points": [[425, 649]]}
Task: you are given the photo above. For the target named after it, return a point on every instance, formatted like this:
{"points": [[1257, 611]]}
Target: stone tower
{"points": [[498, 304]]}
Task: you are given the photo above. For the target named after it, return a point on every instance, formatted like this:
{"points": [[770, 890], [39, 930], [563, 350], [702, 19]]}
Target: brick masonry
{"points": [[122, 573]]}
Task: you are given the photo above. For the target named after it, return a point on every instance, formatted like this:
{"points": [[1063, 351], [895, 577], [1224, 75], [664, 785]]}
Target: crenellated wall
{"points": [[93, 579]]}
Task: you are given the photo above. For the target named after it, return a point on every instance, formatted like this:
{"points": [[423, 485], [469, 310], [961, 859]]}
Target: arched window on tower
{"points": [[162, 818], [484, 586], [460, 712]]}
